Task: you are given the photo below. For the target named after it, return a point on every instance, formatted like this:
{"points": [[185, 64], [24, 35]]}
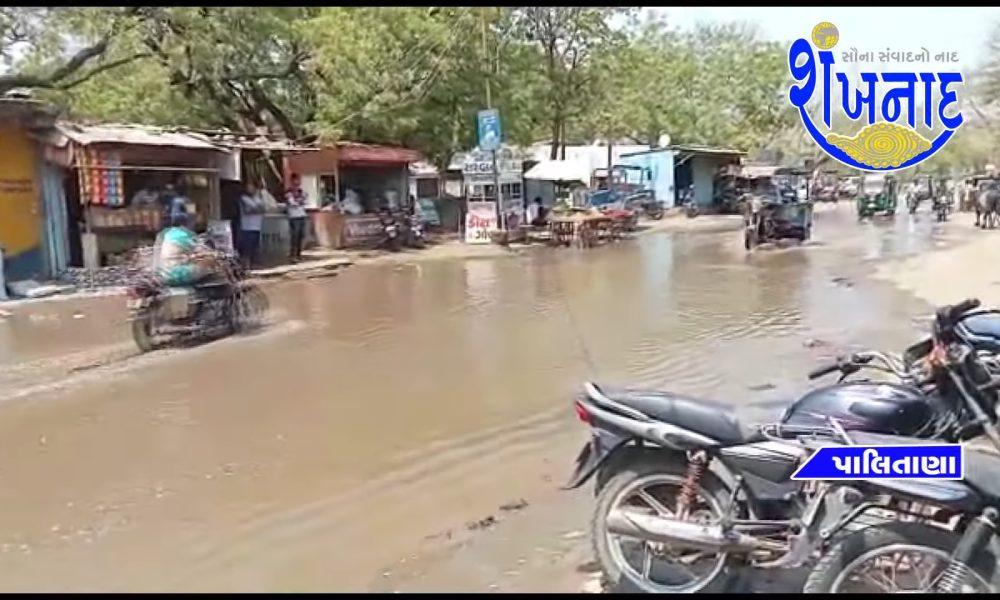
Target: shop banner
{"points": [[480, 221]]}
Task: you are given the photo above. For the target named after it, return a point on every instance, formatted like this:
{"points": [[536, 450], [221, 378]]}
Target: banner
{"points": [[480, 221]]}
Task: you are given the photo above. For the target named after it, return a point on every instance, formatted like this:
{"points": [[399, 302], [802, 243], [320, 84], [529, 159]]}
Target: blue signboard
{"points": [[488, 125]]}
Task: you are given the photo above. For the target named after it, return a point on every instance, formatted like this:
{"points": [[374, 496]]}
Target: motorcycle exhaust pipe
{"points": [[672, 531]]}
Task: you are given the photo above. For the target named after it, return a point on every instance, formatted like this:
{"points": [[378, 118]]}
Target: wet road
{"points": [[347, 445]]}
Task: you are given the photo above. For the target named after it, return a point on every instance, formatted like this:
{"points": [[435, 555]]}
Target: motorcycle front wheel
{"points": [[144, 332], [651, 484], [896, 558]]}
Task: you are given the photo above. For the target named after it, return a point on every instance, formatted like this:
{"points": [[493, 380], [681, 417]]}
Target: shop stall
{"points": [[479, 182], [349, 183], [120, 183]]}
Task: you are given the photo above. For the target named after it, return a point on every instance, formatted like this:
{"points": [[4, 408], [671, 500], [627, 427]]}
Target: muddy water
{"points": [[395, 402]]}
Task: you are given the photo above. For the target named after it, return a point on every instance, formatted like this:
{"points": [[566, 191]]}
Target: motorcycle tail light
{"points": [[581, 413]]}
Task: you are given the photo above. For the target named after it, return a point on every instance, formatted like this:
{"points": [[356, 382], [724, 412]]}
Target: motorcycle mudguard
{"points": [[593, 454]]}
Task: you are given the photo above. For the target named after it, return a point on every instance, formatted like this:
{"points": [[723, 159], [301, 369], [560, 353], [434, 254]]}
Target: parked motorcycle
{"points": [[935, 536], [686, 492], [220, 306], [415, 233], [393, 240]]}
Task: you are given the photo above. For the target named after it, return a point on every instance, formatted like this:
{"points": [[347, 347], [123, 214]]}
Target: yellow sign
{"points": [[825, 35], [20, 219]]}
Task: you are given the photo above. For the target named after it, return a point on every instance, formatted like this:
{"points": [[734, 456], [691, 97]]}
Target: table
{"points": [[584, 230]]}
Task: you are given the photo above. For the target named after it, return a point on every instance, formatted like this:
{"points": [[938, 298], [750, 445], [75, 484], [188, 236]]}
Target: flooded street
{"points": [[365, 438]]}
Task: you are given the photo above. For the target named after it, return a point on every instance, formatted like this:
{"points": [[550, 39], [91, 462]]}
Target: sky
{"points": [[959, 29]]}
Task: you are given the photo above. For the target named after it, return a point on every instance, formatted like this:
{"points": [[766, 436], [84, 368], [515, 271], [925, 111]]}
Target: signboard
{"points": [[479, 165], [488, 126], [363, 230], [480, 221]]}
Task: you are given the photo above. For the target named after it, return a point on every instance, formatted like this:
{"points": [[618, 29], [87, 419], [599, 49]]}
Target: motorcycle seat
{"points": [[706, 417]]}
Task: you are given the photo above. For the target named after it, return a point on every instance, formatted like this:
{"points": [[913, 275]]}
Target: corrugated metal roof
{"points": [[133, 135], [700, 149], [559, 170]]}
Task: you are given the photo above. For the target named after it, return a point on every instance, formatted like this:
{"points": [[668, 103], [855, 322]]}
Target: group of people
{"points": [[255, 202]]}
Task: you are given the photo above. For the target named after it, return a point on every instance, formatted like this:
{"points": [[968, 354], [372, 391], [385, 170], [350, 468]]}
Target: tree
{"points": [[570, 39], [59, 48]]}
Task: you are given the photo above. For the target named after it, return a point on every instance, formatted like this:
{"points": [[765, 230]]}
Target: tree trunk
{"points": [[556, 130], [610, 147], [562, 140]]}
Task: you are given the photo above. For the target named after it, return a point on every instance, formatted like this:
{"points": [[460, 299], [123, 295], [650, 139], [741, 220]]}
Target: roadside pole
{"points": [[501, 218]]}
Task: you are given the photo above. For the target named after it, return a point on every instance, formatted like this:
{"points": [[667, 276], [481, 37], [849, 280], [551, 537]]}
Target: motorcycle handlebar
{"points": [[821, 371]]}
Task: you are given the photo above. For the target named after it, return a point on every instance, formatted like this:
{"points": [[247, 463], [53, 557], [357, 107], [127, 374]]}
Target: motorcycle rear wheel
{"points": [[857, 554], [636, 479]]}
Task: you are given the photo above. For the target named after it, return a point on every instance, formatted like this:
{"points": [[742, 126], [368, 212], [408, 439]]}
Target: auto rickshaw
{"points": [[774, 209], [877, 195]]}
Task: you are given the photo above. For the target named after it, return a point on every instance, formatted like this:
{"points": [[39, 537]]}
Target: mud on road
{"points": [[405, 425]]}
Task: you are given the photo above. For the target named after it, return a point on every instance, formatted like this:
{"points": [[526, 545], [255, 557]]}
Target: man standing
{"points": [[251, 219], [295, 198]]}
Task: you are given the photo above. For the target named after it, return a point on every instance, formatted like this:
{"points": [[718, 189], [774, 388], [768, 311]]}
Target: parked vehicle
{"points": [[877, 195], [935, 536], [393, 240], [415, 233], [686, 492], [774, 208], [825, 187], [848, 187], [220, 306], [628, 188]]}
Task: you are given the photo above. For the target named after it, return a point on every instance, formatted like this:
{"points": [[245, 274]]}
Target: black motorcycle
{"points": [[221, 305], [415, 233], [935, 536], [686, 492], [393, 240]]}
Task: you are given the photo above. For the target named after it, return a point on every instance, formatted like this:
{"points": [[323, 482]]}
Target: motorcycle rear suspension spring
{"points": [[951, 579], [696, 467]]}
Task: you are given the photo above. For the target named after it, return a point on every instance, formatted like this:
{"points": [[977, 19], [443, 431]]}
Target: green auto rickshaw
{"points": [[877, 195]]}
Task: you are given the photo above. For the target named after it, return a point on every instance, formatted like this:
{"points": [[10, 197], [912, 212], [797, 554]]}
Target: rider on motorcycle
{"points": [[179, 258]]}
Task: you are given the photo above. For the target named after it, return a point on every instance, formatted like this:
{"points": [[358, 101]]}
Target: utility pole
{"points": [[501, 218]]}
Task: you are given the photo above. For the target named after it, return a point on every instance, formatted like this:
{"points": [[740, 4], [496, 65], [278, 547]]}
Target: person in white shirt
{"points": [[295, 199], [251, 220]]}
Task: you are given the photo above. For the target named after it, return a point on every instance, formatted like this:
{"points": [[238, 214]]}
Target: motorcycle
{"points": [[415, 233], [682, 483], [948, 542], [688, 203], [393, 240], [942, 206], [934, 536], [220, 306]]}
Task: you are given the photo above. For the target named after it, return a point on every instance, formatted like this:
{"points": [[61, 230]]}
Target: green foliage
{"points": [[412, 76]]}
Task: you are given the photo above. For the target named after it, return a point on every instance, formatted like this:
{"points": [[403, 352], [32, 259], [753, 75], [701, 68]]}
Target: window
{"points": [[427, 188], [511, 190]]}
